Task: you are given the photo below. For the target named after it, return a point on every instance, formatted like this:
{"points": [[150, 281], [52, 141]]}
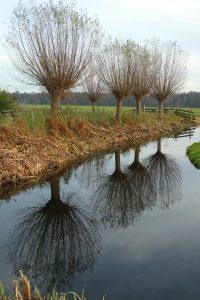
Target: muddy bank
{"points": [[26, 158]]}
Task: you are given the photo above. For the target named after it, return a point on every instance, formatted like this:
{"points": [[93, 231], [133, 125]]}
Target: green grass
{"points": [[195, 110], [34, 116], [193, 152]]}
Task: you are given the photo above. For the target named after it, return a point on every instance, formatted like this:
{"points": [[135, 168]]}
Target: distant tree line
{"points": [[190, 99]]}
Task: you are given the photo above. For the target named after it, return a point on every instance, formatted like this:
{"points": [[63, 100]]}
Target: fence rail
{"points": [[187, 114], [154, 110], [187, 133], [184, 113]]}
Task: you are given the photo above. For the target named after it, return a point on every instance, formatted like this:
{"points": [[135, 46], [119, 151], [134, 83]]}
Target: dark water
{"points": [[125, 225]]}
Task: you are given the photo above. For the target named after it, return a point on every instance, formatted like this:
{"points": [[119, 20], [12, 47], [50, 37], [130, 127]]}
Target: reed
{"points": [[21, 290]]}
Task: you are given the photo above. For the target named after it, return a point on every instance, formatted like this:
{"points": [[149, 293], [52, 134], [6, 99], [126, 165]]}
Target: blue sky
{"points": [[137, 19]]}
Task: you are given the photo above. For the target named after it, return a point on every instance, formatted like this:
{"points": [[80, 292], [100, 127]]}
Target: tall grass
{"points": [[21, 291], [34, 117]]}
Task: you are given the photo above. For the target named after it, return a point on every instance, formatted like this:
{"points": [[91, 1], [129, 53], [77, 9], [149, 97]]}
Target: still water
{"points": [[125, 225]]}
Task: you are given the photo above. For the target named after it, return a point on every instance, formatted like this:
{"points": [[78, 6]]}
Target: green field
{"points": [[34, 116], [195, 110]]}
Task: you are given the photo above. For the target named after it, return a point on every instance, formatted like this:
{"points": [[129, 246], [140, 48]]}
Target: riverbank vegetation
{"points": [[29, 154], [62, 49], [21, 290], [193, 152], [7, 100]]}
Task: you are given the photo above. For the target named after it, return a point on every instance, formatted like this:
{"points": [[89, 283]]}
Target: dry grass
{"points": [[26, 158], [22, 291], [23, 156]]}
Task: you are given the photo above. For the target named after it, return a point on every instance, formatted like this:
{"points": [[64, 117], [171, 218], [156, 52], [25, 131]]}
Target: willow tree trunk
{"points": [[160, 108], [117, 161], [137, 154], [55, 102], [55, 203], [119, 110], [138, 106], [93, 107], [55, 189], [159, 145]]}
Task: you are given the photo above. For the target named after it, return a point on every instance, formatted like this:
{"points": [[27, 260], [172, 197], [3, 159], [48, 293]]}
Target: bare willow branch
{"points": [[91, 171], [168, 70], [117, 70], [142, 182], [53, 243], [93, 84], [53, 45], [166, 175], [115, 199], [142, 75]]}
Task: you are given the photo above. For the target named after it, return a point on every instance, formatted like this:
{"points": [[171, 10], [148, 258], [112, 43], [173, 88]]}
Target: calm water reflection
{"points": [[53, 242], [166, 177], [125, 225]]}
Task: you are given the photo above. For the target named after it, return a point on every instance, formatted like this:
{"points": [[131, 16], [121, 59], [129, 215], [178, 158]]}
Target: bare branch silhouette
{"points": [[166, 176], [117, 69], [93, 84], [91, 171], [142, 182], [115, 202], [142, 75], [54, 242], [168, 70], [53, 45]]}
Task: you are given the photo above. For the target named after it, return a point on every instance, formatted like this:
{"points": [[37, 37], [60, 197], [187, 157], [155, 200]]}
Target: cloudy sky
{"points": [[137, 19]]}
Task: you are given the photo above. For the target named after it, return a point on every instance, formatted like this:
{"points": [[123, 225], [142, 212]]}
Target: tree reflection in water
{"points": [[91, 171], [166, 175], [54, 242], [114, 199], [144, 192], [123, 196]]}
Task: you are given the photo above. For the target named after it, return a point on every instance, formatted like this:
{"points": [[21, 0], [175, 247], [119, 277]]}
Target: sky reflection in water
{"points": [[125, 225]]}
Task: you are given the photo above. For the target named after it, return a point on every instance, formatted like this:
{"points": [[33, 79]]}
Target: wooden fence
{"points": [[187, 133], [184, 113]]}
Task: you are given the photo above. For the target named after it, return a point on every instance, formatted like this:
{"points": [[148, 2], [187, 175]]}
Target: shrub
{"points": [[7, 100], [193, 152]]}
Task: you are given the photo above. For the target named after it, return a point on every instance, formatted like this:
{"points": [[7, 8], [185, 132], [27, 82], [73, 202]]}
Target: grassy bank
{"points": [[34, 117], [33, 149], [193, 152]]}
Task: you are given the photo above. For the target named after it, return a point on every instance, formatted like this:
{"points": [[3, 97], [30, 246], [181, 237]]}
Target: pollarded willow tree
{"points": [[115, 203], [168, 70], [53, 45], [54, 242], [144, 192], [92, 85], [117, 69], [142, 75], [166, 175]]}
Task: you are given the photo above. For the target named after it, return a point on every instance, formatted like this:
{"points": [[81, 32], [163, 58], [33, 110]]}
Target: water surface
{"points": [[125, 225]]}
